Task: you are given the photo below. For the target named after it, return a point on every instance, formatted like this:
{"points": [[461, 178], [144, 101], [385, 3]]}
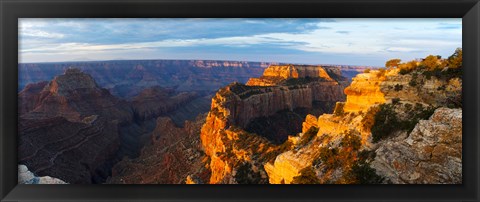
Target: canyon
{"points": [[352, 144], [127, 78], [233, 107], [74, 130], [221, 122]]}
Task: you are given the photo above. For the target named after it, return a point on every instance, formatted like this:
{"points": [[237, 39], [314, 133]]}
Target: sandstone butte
{"points": [[233, 106], [276, 73]]}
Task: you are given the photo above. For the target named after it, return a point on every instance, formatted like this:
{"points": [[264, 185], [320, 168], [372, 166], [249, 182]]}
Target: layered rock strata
{"points": [[234, 106]]}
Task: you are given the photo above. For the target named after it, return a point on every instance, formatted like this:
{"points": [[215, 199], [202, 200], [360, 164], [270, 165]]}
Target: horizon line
{"points": [[110, 60]]}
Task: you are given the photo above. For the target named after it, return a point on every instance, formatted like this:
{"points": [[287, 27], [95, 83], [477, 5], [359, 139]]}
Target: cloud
{"points": [[41, 34], [376, 39]]}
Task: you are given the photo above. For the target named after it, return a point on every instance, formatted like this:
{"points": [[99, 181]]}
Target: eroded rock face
{"points": [[171, 155], [310, 121], [69, 129], [30, 97], [156, 101], [71, 151], [430, 91], [72, 80], [234, 106], [289, 164], [431, 154], [74, 96], [274, 74], [364, 91], [245, 103]]}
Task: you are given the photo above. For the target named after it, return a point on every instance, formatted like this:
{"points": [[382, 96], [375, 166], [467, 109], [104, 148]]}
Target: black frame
{"points": [[11, 10]]}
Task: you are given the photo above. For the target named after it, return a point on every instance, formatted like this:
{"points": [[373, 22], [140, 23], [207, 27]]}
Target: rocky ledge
{"points": [[431, 154]]}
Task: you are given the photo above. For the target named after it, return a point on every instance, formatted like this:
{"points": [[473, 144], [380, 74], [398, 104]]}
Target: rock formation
{"points": [[128, 78], [236, 105], [431, 154], [171, 155], [27, 177], [342, 147], [69, 128], [74, 96], [364, 91]]}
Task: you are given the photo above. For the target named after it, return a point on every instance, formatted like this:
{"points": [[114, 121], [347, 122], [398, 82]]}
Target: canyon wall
{"points": [[234, 106], [127, 78]]}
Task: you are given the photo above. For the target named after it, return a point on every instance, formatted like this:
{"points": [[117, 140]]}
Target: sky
{"points": [[368, 42]]}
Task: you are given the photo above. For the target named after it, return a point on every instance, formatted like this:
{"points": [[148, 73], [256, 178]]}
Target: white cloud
{"points": [[384, 38], [41, 34]]}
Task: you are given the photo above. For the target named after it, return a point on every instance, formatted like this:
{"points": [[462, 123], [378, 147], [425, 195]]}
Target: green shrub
{"points": [[328, 156], [455, 60], [404, 71], [395, 100], [454, 100], [245, 175], [408, 107], [351, 140], [308, 136], [413, 82], [366, 155], [386, 122], [446, 75], [307, 176], [364, 174], [398, 87]]}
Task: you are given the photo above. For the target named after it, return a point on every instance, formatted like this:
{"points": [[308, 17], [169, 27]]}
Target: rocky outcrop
{"points": [[245, 103], [421, 89], [431, 154], [30, 97], [73, 80], [74, 96], [172, 153], [289, 164], [364, 91], [27, 177], [69, 128], [275, 74]]}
